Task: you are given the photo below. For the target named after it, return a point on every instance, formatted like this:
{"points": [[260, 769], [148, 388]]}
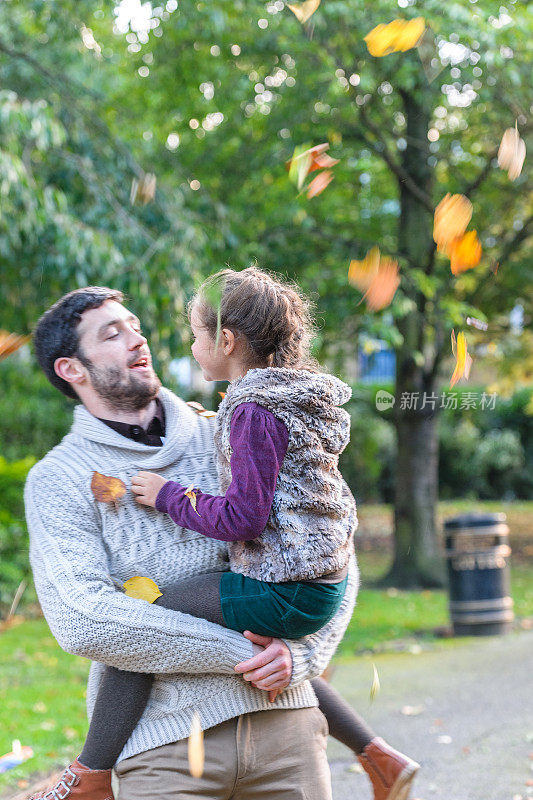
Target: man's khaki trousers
{"points": [[278, 754]]}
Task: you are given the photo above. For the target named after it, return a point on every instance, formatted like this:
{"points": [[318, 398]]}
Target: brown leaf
{"points": [[107, 489], [9, 342], [143, 189], [319, 183]]}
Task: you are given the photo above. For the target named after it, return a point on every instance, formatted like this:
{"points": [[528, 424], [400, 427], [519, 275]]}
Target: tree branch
{"points": [[403, 177]]}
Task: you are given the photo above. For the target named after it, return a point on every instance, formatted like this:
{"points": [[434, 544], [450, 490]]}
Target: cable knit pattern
{"points": [[313, 517], [78, 547]]}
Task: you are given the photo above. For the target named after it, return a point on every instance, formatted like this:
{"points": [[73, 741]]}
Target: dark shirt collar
{"points": [[151, 435]]}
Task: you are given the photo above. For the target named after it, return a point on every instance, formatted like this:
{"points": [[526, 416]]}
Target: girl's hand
{"points": [[147, 485]]}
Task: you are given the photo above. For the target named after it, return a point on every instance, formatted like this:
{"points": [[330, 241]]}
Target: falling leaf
{"points": [[143, 189], [512, 152], [9, 342], [374, 689], [308, 159], [428, 52], [300, 164], [377, 276], [477, 323], [191, 494], [451, 218], [319, 183], [383, 288], [465, 252], [398, 36], [196, 751], [222, 394], [303, 11], [411, 711], [464, 361], [142, 588], [362, 273], [107, 489]]}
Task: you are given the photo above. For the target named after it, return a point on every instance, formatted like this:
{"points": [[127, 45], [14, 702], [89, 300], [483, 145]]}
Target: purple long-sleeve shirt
{"points": [[259, 442]]}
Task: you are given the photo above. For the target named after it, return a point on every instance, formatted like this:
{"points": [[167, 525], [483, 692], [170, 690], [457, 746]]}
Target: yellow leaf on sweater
{"points": [[142, 588]]}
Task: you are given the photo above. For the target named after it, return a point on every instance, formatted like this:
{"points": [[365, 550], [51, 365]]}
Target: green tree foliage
{"points": [[213, 97]]}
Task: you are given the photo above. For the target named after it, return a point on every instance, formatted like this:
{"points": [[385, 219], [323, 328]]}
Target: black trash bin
{"points": [[477, 551]]}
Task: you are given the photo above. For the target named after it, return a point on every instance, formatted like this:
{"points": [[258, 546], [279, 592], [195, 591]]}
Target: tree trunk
{"points": [[417, 560]]}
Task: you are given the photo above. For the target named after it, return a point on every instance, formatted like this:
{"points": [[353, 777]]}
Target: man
{"points": [[91, 348]]}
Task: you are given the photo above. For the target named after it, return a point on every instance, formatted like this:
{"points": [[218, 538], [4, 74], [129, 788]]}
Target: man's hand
{"points": [[147, 485], [271, 668]]}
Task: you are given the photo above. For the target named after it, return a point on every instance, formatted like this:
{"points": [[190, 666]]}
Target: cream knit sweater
{"points": [[78, 546]]}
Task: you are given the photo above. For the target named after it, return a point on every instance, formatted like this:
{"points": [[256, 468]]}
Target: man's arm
{"points": [[87, 615]]}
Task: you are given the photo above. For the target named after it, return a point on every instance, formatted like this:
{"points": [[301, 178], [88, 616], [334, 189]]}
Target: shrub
{"points": [[33, 415], [14, 566]]}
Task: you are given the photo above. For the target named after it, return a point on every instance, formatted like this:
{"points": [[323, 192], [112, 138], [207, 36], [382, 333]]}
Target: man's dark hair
{"points": [[56, 333]]}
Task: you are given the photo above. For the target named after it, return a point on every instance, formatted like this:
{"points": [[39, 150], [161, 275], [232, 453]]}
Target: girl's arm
{"points": [[259, 443]]}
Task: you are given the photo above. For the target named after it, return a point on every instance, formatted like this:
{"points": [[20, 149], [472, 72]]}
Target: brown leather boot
{"points": [[390, 772], [81, 783]]}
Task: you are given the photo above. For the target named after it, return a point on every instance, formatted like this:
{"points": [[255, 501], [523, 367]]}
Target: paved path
{"points": [[472, 726]]}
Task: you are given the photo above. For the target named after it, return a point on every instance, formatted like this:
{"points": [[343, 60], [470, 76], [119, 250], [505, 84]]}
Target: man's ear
{"points": [[227, 341], [70, 369]]}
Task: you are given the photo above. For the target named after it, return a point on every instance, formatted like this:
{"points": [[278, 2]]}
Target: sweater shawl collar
{"points": [[181, 422]]}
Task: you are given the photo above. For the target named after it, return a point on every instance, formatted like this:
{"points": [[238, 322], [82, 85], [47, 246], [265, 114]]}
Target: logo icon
{"points": [[384, 400]]}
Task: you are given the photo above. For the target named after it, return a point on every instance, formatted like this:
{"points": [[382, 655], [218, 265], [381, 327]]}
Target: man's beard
{"points": [[122, 393]]}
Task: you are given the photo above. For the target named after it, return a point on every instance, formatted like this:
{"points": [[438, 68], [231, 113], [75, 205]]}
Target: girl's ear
{"points": [[227, 341]]}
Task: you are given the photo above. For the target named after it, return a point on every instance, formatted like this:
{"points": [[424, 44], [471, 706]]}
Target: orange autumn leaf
{"points": [[191, 494], [398, 36], [512, 153], [107, 489], [319, 183], [451, 218], [303, 11], [222, 394], [362, 273], [9, 342], [377, 277], [196, 752], [383, 288], [142, 588], [308, 159], [465, 252], [463, 359]]}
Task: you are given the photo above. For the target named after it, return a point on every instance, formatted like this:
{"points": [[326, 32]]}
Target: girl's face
{"points": [[214, 362]]}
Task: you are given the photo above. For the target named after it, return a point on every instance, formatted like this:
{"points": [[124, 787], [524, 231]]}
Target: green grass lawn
{"points": [[43, 689]]}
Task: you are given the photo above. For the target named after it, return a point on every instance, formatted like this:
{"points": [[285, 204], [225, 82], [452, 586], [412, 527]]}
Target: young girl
{"points": [[286, 513]]}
